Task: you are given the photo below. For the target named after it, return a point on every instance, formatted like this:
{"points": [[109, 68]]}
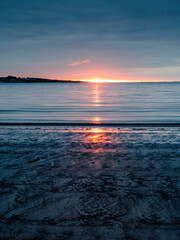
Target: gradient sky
{"points": [[72, 39]]}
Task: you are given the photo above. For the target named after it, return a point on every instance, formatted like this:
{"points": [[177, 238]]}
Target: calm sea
{"points": [[90, 102]]}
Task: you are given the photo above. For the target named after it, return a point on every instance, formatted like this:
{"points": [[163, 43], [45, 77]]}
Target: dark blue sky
{"points": [[116, 39]]}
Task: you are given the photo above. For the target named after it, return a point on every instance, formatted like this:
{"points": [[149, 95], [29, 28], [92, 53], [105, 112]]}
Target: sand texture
{"points": [[89, 183]]}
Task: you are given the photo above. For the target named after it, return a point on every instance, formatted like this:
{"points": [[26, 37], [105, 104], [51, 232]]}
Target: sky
{"points": [[84, 39]]}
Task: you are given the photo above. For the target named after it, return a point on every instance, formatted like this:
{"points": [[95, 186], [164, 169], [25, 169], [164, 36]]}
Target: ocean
{"points": [[90, 102]]}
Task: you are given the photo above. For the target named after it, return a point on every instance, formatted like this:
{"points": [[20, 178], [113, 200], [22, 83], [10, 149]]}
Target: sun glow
{"points": [[99, 80]]}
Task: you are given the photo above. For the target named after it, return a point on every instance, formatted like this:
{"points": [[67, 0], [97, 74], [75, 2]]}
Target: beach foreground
{"points": [[89, 183]]}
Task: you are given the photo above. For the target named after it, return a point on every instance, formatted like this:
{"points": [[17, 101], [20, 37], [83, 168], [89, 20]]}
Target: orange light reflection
{"points": [[96, 96], [96, 120], [97, 135], [95, 143]]}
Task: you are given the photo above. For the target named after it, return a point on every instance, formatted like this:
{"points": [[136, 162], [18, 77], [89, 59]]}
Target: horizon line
{"points": [[128, 124], [97, 80]]}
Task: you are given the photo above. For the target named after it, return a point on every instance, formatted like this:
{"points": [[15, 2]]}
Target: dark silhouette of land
{"points": [[13, 79]]}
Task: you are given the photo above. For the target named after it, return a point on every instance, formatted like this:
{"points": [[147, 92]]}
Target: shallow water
{"points": [[89, 183], [90, 102]]}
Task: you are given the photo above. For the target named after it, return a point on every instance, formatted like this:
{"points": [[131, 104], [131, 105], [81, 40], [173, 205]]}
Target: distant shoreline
{"points": [[13, 79]]}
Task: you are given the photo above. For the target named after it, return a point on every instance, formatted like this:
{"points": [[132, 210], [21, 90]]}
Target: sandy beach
{"points": [[89, 183]]}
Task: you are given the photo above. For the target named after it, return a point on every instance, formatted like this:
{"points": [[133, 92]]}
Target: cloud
{"points": [[79, 63], [119, 34]]}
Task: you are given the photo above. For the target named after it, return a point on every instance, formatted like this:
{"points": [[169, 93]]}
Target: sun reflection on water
{"points": [[96, 143], [97, 135], [96, 120], [96, 99]]}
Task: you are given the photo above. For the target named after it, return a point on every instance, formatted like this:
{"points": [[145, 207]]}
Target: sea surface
{"points": [[90, 102]]}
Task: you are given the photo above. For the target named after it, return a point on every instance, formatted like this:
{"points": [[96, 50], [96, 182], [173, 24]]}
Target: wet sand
{"points": [[89, 183]]}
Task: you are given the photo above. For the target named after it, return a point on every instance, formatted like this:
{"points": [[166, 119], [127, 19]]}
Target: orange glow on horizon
{"points": [[99, 80]]}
